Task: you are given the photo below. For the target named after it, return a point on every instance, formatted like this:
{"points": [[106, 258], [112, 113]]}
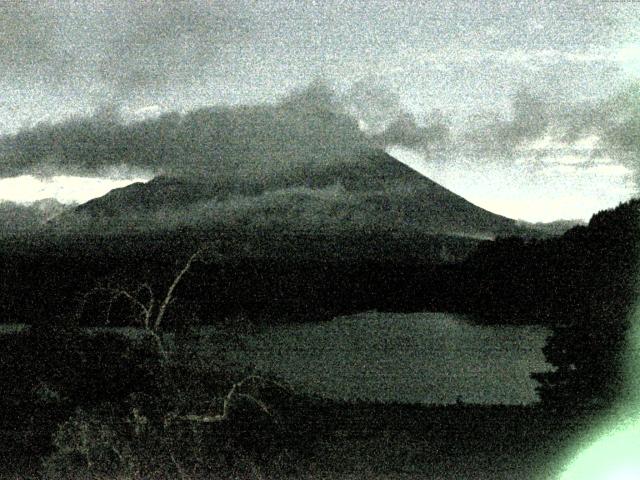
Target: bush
{"points": [[107, 405], [48, 372], [86, 444]]}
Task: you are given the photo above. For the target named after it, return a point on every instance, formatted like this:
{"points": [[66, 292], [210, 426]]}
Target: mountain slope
{"points": [[160, 192], [16, 218], [372, 192], [362, 233]]}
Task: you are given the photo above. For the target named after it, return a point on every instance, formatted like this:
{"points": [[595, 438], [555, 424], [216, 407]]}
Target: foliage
{"points": [[589, 343], [107, 442], [581, 285], [86, 443], [109, 405], [47, 372], [283, 276]]}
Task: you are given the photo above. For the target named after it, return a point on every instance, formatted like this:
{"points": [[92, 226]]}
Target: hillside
{"points": [[373, 193], [347, 236]]}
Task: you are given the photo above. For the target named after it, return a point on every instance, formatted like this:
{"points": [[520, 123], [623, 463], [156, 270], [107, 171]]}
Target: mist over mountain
{"points": [[302, 164], [16, 218], [557, 227], [244, 150], [373, 192]]}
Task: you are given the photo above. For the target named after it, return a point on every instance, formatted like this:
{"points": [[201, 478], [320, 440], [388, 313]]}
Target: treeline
{"points": [[270, 275], [551, 281], [263, 276], [583, 285]]}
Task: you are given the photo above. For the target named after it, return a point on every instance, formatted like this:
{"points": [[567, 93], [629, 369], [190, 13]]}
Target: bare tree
{"points": [[151, 312]]}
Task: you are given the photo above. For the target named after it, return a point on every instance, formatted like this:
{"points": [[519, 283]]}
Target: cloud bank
{"points": [[265, 144], [314, 135], [66, 57]]}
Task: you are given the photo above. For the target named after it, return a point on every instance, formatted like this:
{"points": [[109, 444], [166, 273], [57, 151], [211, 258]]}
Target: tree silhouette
{"points": [[596, 289], [149, 312]]}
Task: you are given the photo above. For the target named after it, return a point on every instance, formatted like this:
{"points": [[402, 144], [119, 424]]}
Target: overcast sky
{"points": [[529, 109]]}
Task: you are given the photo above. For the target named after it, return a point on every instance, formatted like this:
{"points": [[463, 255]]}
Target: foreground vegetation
{"points": [[104, 405], [98, 404]]}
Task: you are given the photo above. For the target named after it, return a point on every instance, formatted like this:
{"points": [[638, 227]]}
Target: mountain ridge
{"points": [[374, 191]]}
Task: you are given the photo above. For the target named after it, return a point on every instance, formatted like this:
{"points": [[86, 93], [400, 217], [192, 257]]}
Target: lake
{"points": [[416, 358]]}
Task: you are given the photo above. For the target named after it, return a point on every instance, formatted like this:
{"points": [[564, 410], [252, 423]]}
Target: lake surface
{"points": [[414, 358], [422, 358]]}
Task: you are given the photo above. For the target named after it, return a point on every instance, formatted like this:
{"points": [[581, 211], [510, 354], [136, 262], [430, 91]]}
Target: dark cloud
{"points": [[265, 144], [618, 119], [250, 144], [404, 131], [528, 119], [114, 49], [615, 120], [67, 56], [160, 44], [373, 103], [597, 139]]}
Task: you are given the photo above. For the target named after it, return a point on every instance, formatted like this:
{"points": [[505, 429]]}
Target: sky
{"points": [[528, 109]]}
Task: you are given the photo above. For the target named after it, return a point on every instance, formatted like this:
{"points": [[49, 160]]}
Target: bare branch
{"points": [[123, 293], [169, 296], [152, 301], [159, 343], [230, 398], [202, 418], [263, 406], [115, 294]]}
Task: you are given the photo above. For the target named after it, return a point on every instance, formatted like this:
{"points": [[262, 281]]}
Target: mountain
{"points": [[17, 218], [160, 192], [555, 228], [339, 236], [371, 192]]}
